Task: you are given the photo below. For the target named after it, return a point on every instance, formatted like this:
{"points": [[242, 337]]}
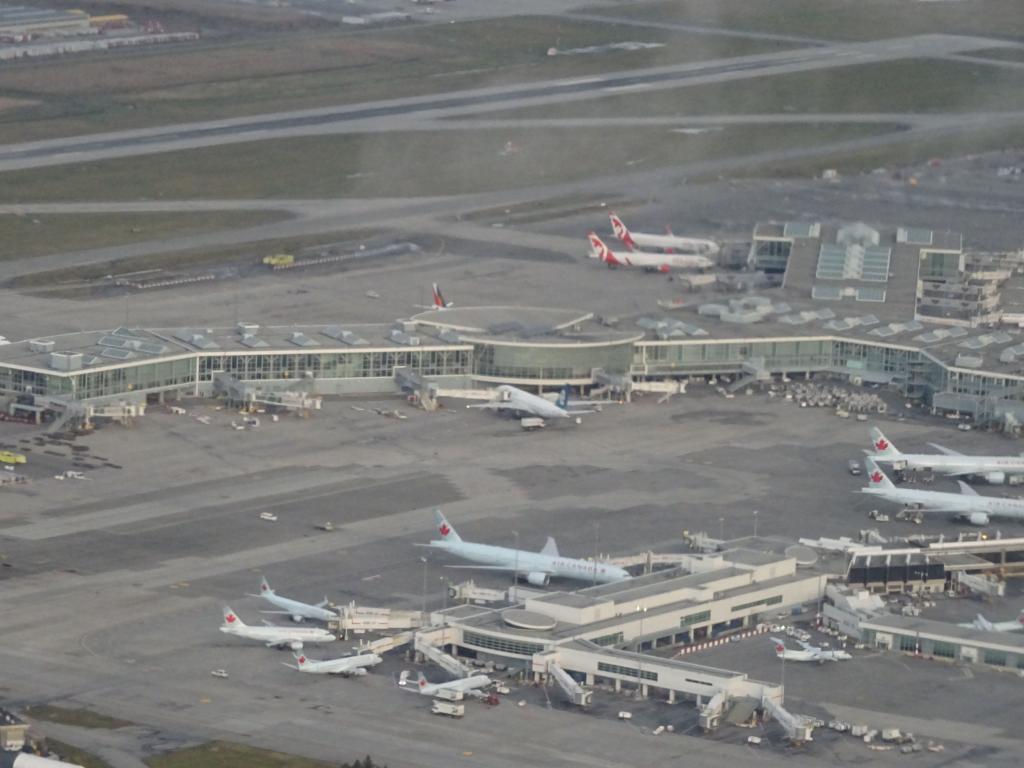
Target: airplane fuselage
{"points": [[533, 562], [297, 608], [688, 245], [956, 465], [958, 503], [346, 665], [280, 635]]}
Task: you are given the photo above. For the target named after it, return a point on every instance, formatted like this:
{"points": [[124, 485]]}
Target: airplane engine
{"points": [[538, 579], [977, 518], [297, 619], [295, 645], [359, 672], [996, 478]]}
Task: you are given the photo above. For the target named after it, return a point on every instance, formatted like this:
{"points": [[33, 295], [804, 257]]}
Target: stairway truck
{"points": [[449, 694], [448, 708], [531, 422]]}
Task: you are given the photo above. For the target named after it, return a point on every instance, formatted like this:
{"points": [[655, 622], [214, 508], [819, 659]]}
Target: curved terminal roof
{"points": [[535, 326]]}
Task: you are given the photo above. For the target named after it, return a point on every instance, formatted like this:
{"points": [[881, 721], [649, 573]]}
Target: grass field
{"points": [[43, 234], [217, 79], [72, 754], [923, 86], [222, 754], [838, 19], [83, 718], [891, 156], [404, 164]]}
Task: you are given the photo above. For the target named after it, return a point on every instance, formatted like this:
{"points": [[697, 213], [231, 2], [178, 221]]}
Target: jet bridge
{"points": [[576, 693], [422, 643], [797, 728]]}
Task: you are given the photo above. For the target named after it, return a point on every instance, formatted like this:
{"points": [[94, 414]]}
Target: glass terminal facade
{"points": [[916, 373]]}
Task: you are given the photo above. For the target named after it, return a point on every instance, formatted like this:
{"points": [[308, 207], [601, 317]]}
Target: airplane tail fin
{"points": [[876, 477], [445, 528], [231, 618], [439, 300], [421, 681], [550, 548], [881, 445], [599, 250], [563, 397], [620, 230], [780, 646], [300, 659], [265, 586]]}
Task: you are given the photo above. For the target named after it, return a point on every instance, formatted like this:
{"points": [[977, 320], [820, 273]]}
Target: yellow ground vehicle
{"points": [[10, 457]]}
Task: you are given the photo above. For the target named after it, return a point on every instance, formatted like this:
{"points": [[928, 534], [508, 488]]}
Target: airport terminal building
{"points": [[907, 308]]}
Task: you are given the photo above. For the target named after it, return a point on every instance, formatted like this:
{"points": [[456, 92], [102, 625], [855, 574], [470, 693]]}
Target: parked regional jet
{"points": [[298, 611], [471, 685], [511, 398], [809, 653], [538, 567], [348, 666], [652, 262], [977, 510], [994, 469], [273, 636], [980, 622], [668, 242]]}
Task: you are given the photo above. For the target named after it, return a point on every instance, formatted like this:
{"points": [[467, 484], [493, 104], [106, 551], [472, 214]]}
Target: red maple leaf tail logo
{"points": [[445, 530], [229, 618], [881, 445], [302, 659], [876, 477]]}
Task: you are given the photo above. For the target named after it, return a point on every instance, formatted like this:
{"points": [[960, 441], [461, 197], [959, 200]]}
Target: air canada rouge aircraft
{"points": [[652, 262], [538, 567], [668, 242]]}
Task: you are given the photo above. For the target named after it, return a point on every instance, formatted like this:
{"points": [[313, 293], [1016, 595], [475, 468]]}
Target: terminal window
{"points": [[944, 650], [774, 600], [613, 639], [995, 658], [908, 643], [695, 618], [627, 671], [501, 644]]}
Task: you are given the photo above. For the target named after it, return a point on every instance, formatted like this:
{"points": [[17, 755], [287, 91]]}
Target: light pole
{"points": [[425, 562], [755, 523], [515, 572], [597, 529], [640, 660]]}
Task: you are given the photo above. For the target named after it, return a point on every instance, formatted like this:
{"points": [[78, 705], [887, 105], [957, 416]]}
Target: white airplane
{"points": [[977, 510], [809, 653], [298, 611], [511, 398], [980, 622], [993, 468], [471, 685], [538, 567], [273, 636], [347, 666], [668, 242], [652, 262]]}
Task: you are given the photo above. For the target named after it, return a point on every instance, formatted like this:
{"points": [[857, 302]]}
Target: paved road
{"points": [[395, 112]]}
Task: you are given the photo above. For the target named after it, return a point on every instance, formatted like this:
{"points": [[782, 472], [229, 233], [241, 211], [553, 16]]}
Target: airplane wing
{"points": [[966, 490], [806, 646], [282, 613], [947, 451], [488, 405]]}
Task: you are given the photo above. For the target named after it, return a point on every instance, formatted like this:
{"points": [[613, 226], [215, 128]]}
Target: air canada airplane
{"points": [[513, 399], [809, 653], [346, 666], [273, 636], [977, 510], [471, 685], [298, 611], [537, 567], [980, 622], [652, 262], [995, 469], [668, 242]]}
